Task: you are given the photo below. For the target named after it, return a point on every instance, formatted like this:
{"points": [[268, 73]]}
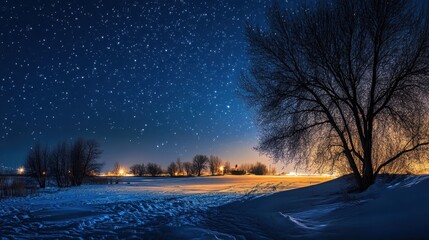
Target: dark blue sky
{"points": [[150, 80]]}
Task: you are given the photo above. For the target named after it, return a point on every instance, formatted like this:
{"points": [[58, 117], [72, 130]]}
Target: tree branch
{"points": [[398, 155]]}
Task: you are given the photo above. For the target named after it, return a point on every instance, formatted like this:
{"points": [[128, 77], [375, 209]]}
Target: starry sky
{"points": [[150, 80]]}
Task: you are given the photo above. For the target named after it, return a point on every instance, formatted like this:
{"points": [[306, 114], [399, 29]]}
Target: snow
{"points": [[393, 208], [228, 207], [137, 207]]}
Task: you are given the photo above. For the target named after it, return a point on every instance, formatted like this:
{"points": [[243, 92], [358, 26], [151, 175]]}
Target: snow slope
{"points": [[394, 208]]}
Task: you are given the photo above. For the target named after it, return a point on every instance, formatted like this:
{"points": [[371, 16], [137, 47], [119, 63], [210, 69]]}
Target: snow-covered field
{"points": [[228, 207], [149, 208]]}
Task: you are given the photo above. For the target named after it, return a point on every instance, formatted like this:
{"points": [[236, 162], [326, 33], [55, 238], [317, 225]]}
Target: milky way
{"points": [[150, 80]]}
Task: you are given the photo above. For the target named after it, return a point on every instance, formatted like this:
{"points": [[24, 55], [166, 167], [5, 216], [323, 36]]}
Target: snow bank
{"points": [[393, 208]]}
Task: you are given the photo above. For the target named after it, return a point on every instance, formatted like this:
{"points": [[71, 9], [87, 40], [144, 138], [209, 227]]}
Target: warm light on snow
{"points": [[89, 209]]}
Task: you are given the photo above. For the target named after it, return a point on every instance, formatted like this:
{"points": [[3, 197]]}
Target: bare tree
{"points": [[154, 169], [226, 167], [179, 166], [84, 155], [138, 169], [116, 168], [345, 82], [117, 171], [59, 165], [76, 162], [188, 168], [37, 164], [172, 169], [214, 164], [199, 164]]}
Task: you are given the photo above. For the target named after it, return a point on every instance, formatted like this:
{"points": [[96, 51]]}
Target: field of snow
{"points": [[228, 207], [149, 208]]}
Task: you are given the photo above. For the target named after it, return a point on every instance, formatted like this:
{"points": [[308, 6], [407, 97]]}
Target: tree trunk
{"points": [[367, 177]]}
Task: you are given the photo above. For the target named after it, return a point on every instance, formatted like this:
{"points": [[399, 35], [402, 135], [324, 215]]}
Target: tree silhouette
{"points": [[84, 155], [138, 169], [172, 169], [179, 166], [199, 163], [259, 169], [188, 168], [214, 164], [154, 169], [37, 164], [342, 83], [59, 164]]}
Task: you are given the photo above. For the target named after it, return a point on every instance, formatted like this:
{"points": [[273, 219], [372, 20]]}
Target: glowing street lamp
{"points": [[121, 172], [21, 170]]}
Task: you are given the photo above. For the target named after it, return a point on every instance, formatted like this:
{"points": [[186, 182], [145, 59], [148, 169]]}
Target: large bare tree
{"points": [[343, 85]]}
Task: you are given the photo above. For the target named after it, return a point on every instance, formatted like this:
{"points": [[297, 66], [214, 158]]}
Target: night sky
{"points": [[150, 80]]}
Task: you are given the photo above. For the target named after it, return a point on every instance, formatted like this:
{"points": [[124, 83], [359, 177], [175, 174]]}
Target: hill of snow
{"points": [[396, 207]]}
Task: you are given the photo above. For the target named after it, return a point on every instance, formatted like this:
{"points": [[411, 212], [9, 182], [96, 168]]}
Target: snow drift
{"points": [[396, 207]]}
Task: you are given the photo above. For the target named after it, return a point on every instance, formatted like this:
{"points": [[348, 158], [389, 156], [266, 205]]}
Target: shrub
{"points": [[259, 169]]}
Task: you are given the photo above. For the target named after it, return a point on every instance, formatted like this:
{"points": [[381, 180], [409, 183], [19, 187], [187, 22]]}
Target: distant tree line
{"points": [[67, 164], [258, 169], [199, 165], [196, 167]]}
